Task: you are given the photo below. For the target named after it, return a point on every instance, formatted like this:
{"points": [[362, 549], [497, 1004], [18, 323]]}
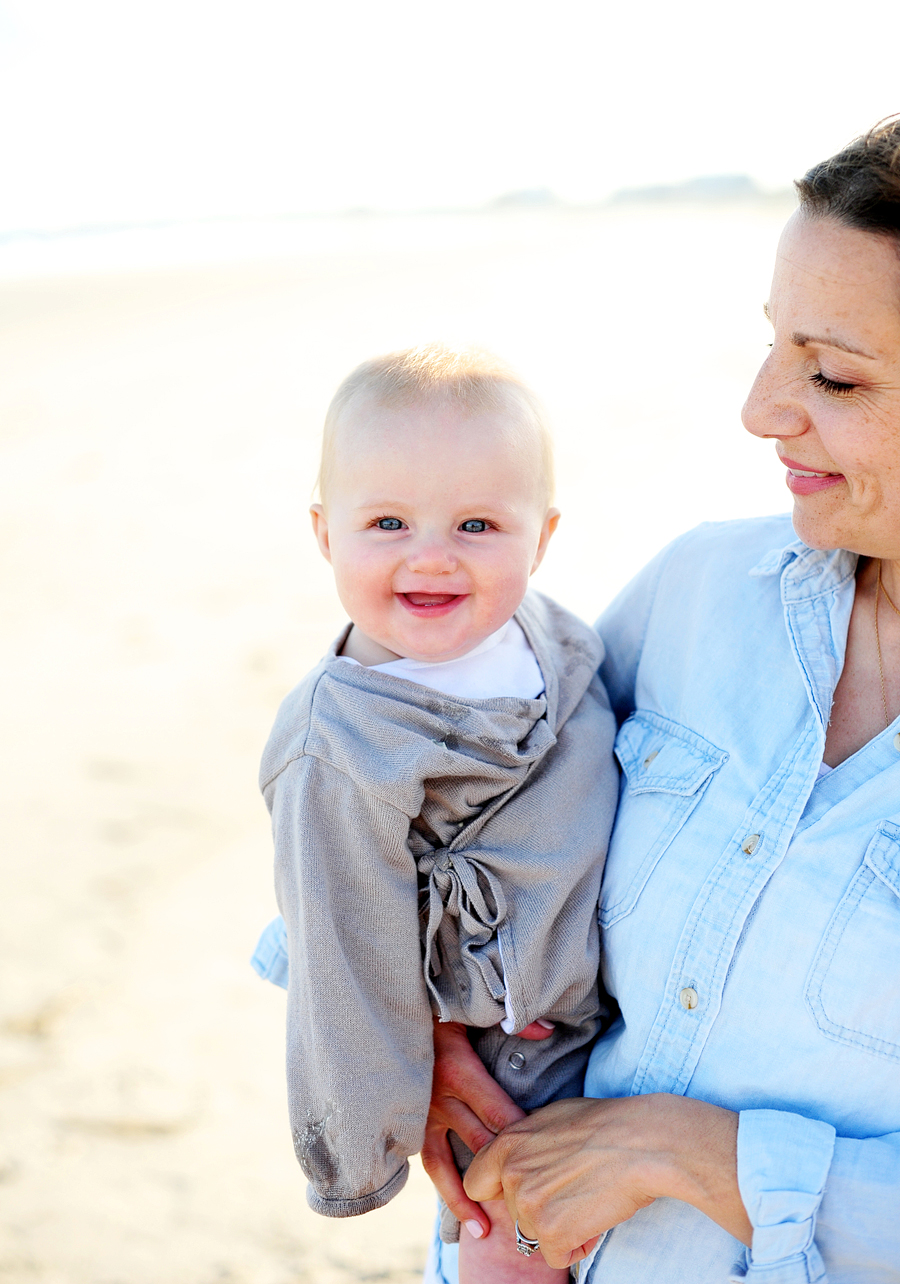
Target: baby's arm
{"points": [[359, 1022]]}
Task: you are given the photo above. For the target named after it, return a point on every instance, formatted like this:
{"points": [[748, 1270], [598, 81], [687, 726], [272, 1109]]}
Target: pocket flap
{"points": [[661, 756], [883, 855]]}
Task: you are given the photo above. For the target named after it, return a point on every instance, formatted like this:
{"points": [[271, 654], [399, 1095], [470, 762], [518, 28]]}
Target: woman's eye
{"points": [[831, 385], [389, 524], [474, 527]]}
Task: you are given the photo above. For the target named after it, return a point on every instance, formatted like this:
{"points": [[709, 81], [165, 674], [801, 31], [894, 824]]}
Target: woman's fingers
{"points": [[463, 1091], [502, 1170], [562, 1177], [466, 1100], [449, 1114], [582, 1251], [438, 1162], [485, 1177]]}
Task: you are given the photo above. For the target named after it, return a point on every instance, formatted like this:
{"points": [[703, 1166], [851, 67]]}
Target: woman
{"points": [[742, 1118]]}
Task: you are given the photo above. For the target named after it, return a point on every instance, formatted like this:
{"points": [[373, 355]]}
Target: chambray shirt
{"points": [[751, 911]]}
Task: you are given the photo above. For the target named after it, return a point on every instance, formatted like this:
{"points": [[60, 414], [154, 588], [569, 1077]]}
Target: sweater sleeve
{"points": [[359, 1045]]}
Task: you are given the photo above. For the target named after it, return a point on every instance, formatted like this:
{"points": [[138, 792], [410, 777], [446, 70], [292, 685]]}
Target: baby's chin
{"points": [[437, 650]]}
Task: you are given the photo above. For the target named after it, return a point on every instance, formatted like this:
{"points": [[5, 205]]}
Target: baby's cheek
{"points": [[507, 590]]}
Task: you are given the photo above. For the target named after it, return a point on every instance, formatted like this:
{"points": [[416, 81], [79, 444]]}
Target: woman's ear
{"points": [[320, 530], [551, 521]]}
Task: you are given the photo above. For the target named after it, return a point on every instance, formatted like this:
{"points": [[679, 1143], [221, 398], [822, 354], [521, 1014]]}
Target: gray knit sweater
{"points": [[434, 853]]}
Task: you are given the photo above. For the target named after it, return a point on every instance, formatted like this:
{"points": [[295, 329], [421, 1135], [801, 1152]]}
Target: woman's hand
{"points": [[575, 1168], [467, 1100]]}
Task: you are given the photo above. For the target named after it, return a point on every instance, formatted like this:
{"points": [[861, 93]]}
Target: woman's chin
{"points": [[815, 529]]}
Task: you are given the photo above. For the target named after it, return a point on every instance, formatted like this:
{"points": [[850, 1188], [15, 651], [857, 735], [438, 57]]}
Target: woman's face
{"points": [[829, 390]]}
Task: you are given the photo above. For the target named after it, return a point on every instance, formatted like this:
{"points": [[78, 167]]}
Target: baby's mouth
{"points": [[429, 599]]}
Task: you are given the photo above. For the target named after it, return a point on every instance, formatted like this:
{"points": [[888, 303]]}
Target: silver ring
{"points": [[524, 1245]]}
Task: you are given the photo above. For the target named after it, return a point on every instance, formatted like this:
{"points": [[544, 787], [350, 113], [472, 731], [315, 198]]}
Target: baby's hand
{"points": [[496, 1260], [541, 1029]]}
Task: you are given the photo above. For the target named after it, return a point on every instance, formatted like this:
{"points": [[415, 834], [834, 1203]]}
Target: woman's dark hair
{"points": [[860, 186]]}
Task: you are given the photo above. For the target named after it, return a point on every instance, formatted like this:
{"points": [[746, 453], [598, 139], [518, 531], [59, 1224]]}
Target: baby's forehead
{"points": [[370, 423], [437, 435]]}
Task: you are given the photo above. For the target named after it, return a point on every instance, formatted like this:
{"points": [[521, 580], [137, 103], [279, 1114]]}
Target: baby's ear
{"points": [[551, 521], [320, 529]]}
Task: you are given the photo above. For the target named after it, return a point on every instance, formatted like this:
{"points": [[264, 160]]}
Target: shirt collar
{"points": [[774, 562], [827, 567]]}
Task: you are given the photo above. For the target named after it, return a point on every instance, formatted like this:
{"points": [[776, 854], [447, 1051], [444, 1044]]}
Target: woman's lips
{"points": [[806, 481], [431, 605]]}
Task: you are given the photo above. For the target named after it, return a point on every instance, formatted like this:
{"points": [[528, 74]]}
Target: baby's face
{"points": [[433, 523]]}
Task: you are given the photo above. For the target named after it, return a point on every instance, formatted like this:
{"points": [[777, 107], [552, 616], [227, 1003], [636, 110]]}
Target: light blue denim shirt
{"points": [[751, 912]]}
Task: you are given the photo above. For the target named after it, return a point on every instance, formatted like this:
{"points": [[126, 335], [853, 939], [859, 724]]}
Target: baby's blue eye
{"points": [[389, 524], [475, 527]]}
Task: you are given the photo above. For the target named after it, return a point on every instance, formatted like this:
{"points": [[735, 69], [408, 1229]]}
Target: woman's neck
{"points": [[867, 696]]}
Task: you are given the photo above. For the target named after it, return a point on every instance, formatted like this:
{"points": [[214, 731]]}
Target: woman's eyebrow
{"points": [[800, 340]]}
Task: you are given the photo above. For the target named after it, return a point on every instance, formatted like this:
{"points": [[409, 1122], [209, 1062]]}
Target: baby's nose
{"points": [[432, 558]]}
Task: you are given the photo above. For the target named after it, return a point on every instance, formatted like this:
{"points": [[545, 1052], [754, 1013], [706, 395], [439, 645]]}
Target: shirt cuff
{"points": [[783, 1163]]}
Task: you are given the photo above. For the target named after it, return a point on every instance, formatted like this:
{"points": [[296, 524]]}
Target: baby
{"points": [[441, 785]]}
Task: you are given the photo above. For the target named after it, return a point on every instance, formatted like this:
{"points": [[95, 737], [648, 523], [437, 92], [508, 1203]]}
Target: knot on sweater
{"points": [[462, 886]]}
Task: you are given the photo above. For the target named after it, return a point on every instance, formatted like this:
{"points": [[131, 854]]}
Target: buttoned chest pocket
{"points": [[666, 769], [854, 986]]}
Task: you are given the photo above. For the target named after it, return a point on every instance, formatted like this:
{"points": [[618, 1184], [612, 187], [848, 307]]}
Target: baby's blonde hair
{"points": [[437, 375]]}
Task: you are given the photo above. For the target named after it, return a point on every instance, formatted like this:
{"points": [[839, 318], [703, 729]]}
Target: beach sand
{"points": [[161, 593]]}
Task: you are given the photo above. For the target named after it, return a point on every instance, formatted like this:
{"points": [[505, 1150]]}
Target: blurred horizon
{"points": [[699, 189], [170, 243], [121, 114]]}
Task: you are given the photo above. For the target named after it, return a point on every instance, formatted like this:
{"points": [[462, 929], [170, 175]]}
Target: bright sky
{"points": [[122, 110]]}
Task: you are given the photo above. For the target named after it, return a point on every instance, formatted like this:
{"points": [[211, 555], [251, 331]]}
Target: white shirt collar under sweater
{"points": [[502, 665]]}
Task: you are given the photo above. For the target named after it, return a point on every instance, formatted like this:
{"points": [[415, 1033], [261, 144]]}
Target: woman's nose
{"points": [[432, 557], [771, 408]]}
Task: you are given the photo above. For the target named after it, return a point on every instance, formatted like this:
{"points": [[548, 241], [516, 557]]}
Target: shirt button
{"points": [[750, 844], [650, 757], [689, 998], [897, 741], [516, 1061]]}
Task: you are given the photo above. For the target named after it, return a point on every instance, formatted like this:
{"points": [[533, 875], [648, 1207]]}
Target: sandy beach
{"points": [[161, 593]]}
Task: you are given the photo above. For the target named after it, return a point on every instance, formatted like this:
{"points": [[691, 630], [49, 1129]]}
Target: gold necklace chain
{"points": [[879, 589], [895, 609]]}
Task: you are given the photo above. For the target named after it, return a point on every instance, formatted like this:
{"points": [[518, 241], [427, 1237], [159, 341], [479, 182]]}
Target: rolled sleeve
{"points": [[858, 1229], [783, 1165]]}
